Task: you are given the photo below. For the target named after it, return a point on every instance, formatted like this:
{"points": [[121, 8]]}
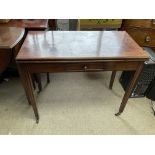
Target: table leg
{"points": [[129, 89], [28, 86], [112, 79], [38, 80], [48, 77], [33, 81]]}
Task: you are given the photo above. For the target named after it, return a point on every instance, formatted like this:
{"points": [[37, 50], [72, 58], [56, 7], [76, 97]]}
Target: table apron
{"points": [[80, 66]]}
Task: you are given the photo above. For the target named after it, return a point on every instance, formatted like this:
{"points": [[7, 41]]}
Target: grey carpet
{"points": [[74, 103]]}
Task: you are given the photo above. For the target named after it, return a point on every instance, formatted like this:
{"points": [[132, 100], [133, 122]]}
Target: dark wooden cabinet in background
{"points": [[141, 30]]}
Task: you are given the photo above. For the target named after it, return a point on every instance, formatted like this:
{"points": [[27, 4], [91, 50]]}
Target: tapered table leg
{"points": [[129, 89], [112, 79], [24, 83], [28, 86]]}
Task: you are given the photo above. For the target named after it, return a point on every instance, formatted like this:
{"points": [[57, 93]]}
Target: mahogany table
{"points": [[29, 25], [78, 51], [10, 38]]}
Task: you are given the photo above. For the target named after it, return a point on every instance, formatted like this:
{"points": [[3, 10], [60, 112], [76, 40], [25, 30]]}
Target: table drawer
{"points": [[144, 37], [141, 23], [84, 67], [80, 66], [97, 66]]}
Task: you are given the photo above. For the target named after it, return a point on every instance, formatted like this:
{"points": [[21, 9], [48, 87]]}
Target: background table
{"points": [[29, 25], [74, 51], [10, 38]]}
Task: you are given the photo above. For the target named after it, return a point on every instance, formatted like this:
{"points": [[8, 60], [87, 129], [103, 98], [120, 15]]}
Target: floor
{"points": [[74, 103]]}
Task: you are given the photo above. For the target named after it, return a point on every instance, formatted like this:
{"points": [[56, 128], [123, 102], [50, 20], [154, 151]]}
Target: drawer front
{"points": [[144, 37], [82, 66], [143, 23], [100, 66]]}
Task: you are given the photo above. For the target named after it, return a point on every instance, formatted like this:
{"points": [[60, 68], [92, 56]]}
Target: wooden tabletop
{"points": [[10, 36], [64, 45], [27, 23]]}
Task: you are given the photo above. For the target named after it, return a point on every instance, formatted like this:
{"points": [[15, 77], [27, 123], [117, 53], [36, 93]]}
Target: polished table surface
{"points": [[9, 38], [58, 45], [74, 51], [27, 23]]}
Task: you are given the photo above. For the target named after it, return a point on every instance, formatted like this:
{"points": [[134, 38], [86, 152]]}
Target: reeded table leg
{"points": [[28, 86], [112, 79], [129, 89]]}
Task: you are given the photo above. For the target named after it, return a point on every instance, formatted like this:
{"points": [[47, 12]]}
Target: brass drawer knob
{"points": [[147, 38], [85, 67]]}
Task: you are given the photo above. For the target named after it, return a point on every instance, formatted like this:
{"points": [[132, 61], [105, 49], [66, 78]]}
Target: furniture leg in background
{"points": [[112, 79], [48, 78], [37, 78]]}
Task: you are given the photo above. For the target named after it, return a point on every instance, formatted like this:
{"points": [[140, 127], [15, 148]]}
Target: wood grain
{"points": [[10, 36], [139, 23], [54, 45], [36, 24]]}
